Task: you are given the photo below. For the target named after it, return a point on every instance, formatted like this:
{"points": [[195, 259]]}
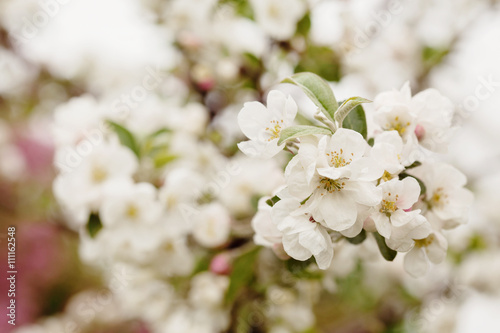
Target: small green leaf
{"points": [[271, 202], [321, 60], [300, 269], [356, 120], [304, 25], [94, 224], [302, 130], [347, 106], [414, 165], [318, 90], [126, 138], [387, 253], [360, 238], [423, 189], [159, 132], [242, 273], [163, 159]]}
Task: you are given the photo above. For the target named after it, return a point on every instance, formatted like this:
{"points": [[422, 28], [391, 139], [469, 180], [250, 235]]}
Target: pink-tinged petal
{"points": [[339, 211], [294, 249], [383, 224], [253, 119], [416, 263], [409, 194]]}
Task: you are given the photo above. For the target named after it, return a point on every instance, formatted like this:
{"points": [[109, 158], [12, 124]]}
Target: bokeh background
{"points": [[220, 54]]}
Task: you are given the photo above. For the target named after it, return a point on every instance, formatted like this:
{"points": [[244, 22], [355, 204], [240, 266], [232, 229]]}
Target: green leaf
{"points": [[347, 106], [126, 138], [360, 238], [433, 56], [414, 165], [163, 159], [94, 224], [356, 120], [203, 264], [387, 253], [302, 130], [304, 25], [300, 269], [318, 90], [159, 132], [321, 60], [271, 202], [423, 188], [242, 273]]}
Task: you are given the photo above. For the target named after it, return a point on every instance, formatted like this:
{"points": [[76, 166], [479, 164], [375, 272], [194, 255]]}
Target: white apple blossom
{"points": [[403, 237], [332, 172], [263, 125], [266, 232], [387, 152], [278, 18], [425, 118], [446, 198], [78, 119], [430, 249], [397, 196], [83, 189], [207, 290], [212, 225], [130, 204], [303, 237]]}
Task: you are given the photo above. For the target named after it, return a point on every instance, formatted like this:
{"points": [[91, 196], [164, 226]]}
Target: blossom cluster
{"points": [[193, 229], [342, 184]]}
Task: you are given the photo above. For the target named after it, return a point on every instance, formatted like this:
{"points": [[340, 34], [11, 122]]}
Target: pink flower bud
{"points": [[221, 264], [419, 132]]}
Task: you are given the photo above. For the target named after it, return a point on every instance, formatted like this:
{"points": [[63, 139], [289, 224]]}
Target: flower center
{"points": [[386, 176], [389, 206], [274, 129], [331, 185], [132, 211], [273, 11], [337, 160], [439, 197], [99, 175], [424, 242], [397, 125]]}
